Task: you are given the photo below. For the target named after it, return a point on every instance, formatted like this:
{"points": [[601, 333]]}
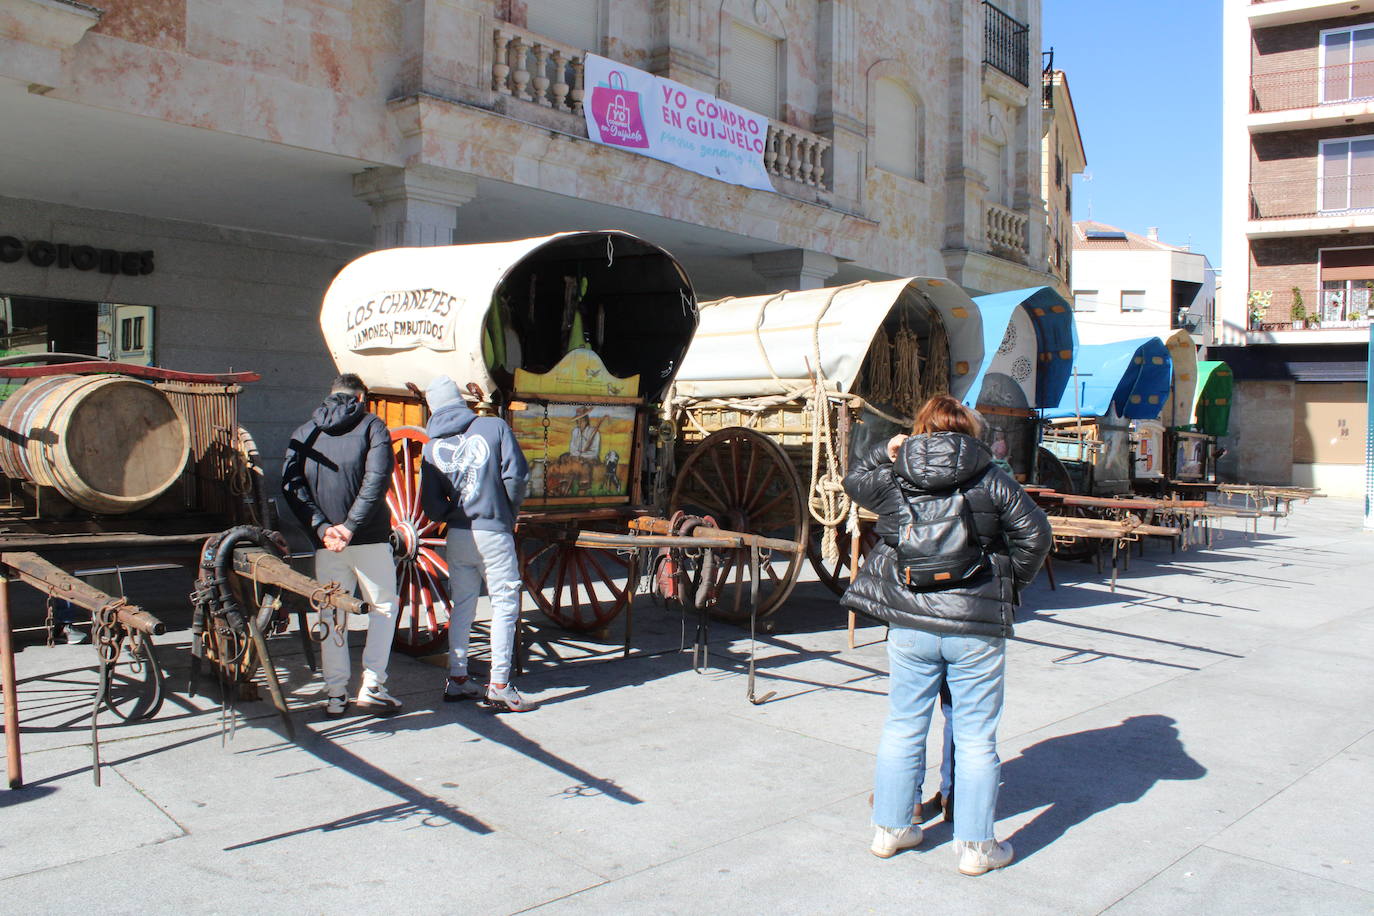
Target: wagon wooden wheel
{"points": [[418, 546], [835, 573], [745, 481], [578, 588]]}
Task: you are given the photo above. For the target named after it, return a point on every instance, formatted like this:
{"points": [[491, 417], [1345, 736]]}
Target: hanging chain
{"points": [[324, 599], [49, 623]]}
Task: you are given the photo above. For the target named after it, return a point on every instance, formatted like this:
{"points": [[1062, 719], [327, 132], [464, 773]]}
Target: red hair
{"points": [[944, 414]]}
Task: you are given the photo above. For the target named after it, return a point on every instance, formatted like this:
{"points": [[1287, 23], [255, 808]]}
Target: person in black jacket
{"points": [[955, 633], [337, 470]]}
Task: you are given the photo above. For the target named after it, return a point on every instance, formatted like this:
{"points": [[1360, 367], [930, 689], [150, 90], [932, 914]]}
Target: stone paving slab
{"points": [[1211, 881], [1188, 743]]}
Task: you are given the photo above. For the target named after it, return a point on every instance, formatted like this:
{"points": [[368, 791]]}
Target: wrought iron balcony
{"points": [[1299, 198], [1310, 87], [1297, 309], [1006, 44]]}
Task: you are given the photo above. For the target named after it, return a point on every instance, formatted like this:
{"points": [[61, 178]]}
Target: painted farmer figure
{"points": [[335, 478], [585, 442], [474, 478]]}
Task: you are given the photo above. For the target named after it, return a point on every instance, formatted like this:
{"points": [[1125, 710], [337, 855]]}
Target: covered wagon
{"points": [[574, 339], [1113, 384], [778, 391], [1029, 339]]}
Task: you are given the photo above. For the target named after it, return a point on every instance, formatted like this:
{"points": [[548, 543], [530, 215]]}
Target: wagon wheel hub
{"points": [[405, 541]]}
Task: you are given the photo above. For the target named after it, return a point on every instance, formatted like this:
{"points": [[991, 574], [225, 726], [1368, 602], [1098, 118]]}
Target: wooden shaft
{"points": [[8, 682], [663, 526], [31, 569], [257, 565]]}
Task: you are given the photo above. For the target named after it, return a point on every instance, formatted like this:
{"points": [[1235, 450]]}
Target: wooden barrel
{"points": [[108, 443]]}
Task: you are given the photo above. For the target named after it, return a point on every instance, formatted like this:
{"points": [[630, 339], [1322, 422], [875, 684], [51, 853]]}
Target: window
{"points": [[1347, 64], [131, 333], [751, 69], [897, 118], [1133, 300], [1085, 300], [1347, 276], [1347, 174], [572, 22]]}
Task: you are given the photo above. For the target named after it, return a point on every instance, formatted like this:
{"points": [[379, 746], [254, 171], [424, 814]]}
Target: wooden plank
{"points": [[148, 372]]}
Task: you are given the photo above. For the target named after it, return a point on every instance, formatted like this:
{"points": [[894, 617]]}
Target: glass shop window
{"points": [[101, 330]]}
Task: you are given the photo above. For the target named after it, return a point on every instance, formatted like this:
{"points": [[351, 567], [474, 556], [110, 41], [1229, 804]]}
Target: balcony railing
{"points": [[528, 67], [1297, 198], [1006, 233], [1297, 309], [1312, 86], [796, 155], [1006, 44]]}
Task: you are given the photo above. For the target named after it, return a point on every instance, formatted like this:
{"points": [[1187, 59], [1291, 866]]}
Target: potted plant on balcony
{"points": [[1259, 300], [1299, 311]]}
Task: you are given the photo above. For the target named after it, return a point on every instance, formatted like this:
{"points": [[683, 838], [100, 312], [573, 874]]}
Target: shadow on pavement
{"points": [[1085, 773]]}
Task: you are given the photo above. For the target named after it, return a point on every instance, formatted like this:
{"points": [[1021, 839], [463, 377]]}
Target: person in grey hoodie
{"points": [[473, 478], [337, 470]]}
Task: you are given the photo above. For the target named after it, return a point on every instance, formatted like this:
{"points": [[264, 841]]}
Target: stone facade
{"points": [[317, 128]]}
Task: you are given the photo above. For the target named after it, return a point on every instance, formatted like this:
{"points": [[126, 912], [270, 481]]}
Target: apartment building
{"points": [[1061, 158], [1298, 243], [214, 164], [1128, 286]]}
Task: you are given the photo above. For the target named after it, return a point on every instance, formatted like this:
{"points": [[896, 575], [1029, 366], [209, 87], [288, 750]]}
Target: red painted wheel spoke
{"points": [[588, 585], [592, 558], [439, 593], [432, 561]]}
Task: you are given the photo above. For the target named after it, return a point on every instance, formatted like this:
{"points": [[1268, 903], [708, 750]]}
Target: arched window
{"points": [[897, 120]]}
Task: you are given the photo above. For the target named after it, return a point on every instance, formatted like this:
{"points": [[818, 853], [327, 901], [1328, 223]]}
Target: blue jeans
{"points": [[975, 669]]}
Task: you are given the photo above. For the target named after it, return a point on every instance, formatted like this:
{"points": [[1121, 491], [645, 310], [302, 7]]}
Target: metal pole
{"points": [[7, 680], [1369, 435]]}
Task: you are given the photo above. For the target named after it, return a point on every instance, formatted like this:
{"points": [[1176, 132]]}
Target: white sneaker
{"points": [[335, 706], [888, 841], [508, 697], [983, 857], [374, 699], [461, 687]]}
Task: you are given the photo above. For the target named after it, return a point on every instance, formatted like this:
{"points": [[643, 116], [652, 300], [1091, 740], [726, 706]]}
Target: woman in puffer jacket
{"points": [[957, 633]]}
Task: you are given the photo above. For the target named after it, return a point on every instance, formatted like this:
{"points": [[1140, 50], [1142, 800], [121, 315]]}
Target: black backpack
{"points": [[938, 546]]}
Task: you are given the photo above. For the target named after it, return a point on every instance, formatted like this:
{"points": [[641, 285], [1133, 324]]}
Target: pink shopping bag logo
{"points": [[616, 112]]}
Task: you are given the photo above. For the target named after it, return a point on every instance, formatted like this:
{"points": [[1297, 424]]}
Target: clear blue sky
{"points": [[1146, 82]]}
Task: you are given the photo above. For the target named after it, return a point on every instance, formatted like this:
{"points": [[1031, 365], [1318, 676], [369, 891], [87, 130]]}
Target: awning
{"points": [[1028, 335], [765, 345], [1212, 407], [1131, 377]]}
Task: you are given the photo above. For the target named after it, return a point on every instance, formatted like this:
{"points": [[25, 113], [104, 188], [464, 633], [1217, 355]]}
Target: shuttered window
{"points": [[898, 127], [571, 22], [751, 69]]}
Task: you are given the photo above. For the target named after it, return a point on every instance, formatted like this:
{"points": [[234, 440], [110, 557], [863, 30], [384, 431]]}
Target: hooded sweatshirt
{"points": [[337, 470], [474, 474], [1013, 531]]}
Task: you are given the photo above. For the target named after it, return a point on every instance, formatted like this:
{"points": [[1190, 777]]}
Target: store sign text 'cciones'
{"points": [[61, 255]]}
